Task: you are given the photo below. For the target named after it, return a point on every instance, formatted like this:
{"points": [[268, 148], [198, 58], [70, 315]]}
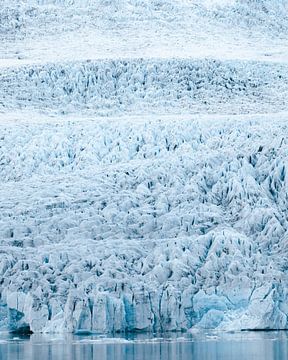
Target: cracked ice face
{"points": [[121, 210]]}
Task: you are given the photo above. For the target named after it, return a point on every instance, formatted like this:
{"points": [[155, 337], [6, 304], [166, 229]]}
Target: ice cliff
{"points": [[123, 205], [144, 226]]}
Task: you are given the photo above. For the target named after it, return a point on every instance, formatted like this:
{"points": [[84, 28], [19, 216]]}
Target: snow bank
{"points": [[270, 16], [22, 18], [31, 17], [106, 87], [144, 227]]}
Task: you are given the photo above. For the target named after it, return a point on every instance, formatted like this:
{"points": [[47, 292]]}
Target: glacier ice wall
{"points": [[148, 219], [146, 226]]}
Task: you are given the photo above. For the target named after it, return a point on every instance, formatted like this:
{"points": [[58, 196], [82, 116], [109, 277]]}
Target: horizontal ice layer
{"points": [[119, 86], [146, 226], [22, 17], [58, 31], [270, 16]]}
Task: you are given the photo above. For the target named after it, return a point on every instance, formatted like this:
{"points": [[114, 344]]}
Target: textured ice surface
{"points": [[131, 29], [106, 87], [151, 218], [144, 226]]}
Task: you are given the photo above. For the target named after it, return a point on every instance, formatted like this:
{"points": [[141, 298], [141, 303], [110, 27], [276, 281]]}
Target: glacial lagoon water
{"points": [[205, 346]]}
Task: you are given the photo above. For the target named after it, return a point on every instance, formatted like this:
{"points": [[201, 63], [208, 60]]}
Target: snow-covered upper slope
{"points": [[52, 31], [271, 16]]}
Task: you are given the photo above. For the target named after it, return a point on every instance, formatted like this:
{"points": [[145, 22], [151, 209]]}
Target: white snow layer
{"points": [[132, 221], [64, 30]]}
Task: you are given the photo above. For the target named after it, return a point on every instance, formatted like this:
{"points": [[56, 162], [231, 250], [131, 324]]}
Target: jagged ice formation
{"points": [[124, 207]]}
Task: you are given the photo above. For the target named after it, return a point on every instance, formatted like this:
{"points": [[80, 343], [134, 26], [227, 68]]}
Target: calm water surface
{"points": [[231, 346]]}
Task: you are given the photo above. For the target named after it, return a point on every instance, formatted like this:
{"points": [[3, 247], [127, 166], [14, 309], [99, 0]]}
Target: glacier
{"points": [[143, 175], [147, 86], [144, 226]]}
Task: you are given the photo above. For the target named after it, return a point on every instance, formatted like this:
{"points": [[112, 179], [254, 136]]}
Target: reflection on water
{"points": [[237, 346]]}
